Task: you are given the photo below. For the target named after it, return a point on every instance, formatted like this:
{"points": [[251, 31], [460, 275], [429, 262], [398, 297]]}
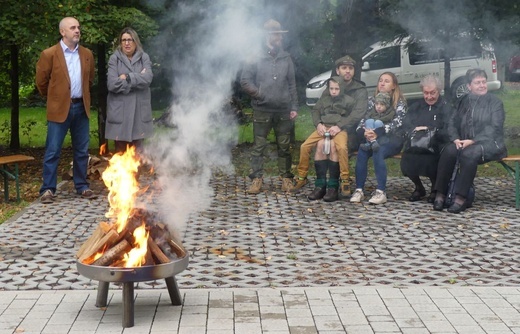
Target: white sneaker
{"points": [[357, 196], [378, 197]]}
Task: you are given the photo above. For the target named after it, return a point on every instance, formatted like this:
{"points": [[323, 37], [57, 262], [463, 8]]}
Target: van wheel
{"points": [[459, 89]]}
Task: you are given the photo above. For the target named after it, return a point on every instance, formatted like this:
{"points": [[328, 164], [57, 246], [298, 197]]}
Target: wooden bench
{"points": [[513, 171], [9, 172]]}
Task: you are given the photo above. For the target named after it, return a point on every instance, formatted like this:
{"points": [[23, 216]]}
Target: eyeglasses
{"points": [[127, 40]]}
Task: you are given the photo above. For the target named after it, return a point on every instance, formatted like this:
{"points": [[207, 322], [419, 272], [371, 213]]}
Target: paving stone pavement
{"points": [[276, 262]]}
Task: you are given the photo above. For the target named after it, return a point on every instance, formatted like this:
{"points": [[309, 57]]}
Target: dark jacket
{"points": [[333, 111], [435, 117], [270, 81], [480, 118]]}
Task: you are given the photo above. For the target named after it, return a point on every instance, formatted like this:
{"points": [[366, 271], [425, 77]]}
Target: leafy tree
{"points": [[27, 28]]}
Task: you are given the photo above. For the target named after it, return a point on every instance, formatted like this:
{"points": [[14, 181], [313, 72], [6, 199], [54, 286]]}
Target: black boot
{"points": [[317, 193], [419, 191], [333, 183], [320, 189]]}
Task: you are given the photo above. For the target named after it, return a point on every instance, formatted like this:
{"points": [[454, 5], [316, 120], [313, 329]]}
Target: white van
{"points": [[410, 65]]}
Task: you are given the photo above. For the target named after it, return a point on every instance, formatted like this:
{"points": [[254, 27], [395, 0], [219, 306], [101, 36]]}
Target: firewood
{"points": [[105, 242], [157, 252], [177, 248], [113, 254], [94, 237]]}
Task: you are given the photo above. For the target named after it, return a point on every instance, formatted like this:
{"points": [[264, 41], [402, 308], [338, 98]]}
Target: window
{"points": [[385, 58]]}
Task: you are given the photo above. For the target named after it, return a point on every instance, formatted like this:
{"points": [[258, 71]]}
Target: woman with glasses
{"points": [[476, 133], [129, 109]]}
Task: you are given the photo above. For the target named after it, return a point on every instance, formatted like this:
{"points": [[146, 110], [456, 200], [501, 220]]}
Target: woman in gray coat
{"points": [[129, 109]]}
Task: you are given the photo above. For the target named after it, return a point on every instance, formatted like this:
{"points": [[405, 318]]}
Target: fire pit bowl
{"points": [[128, 276]]}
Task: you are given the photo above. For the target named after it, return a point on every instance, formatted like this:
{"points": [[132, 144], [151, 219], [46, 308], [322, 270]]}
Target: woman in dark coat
{"points": [[129, 105], [477, 129], [430, 113]]}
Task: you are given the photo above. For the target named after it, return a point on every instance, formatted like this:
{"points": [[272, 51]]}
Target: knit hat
{"points": [[383, 98], [347, 60], [273, 27]]}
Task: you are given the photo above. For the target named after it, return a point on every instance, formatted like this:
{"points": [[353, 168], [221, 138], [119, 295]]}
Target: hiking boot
{"points": [[87, 193], [256, 186], [345, 189], [300, 183], [357, 196], [317, 193], [331, 195], [378, 197], [287, 184], [47, 197]]}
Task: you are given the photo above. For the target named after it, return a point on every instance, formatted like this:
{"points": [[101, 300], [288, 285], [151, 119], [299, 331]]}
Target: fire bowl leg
{"points": [[102, 294], [173, 290], [128, 304]]}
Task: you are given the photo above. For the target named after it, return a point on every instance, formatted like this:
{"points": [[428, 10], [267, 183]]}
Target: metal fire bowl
{"points": [[134, 274]]}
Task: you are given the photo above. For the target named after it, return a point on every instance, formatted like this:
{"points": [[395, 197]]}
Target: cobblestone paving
{"points": [[280, 240]]}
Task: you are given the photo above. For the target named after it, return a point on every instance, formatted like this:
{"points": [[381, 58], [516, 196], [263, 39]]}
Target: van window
{"points": [[385, 58], [419, 54]]}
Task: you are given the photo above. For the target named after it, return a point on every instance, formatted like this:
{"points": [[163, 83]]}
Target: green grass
{"points": [[33, 127]]}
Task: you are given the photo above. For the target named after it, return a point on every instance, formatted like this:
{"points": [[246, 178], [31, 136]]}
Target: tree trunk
{"points": [[102, 94], [15, 99]]}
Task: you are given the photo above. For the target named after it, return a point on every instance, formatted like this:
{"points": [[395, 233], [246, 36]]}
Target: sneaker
{"points": [[378, 197], [87, 193], [256, 186], [47, 197], [357, 196], [365, 147], [345, 189], [375, 146], [300, 183], [287, 184]]}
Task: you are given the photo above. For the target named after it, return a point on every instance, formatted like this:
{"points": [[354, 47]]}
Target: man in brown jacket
{"points": [[64, 76]]}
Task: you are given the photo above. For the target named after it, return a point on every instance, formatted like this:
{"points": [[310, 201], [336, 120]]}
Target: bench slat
{"points": [[9, 159]]}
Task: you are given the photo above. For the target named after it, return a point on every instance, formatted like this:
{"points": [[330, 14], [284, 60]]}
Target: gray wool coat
{"points": [[129, 108]]}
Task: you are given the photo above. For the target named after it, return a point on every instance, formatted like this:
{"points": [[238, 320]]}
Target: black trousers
{"points": [[469, 159]]}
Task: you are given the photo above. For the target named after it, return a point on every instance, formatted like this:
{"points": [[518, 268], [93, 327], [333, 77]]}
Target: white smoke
{"points": [[206, 64]]}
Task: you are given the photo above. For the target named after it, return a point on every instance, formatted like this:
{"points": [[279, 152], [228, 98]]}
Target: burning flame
{"points": [[103, 149], [136, 256], [120, 179]]}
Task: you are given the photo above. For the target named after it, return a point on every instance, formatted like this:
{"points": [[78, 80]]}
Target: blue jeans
{"points": [[78, 123], [386, 150], [373, 123]]}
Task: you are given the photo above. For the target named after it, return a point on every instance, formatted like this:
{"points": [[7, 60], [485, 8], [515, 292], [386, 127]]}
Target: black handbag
{"points": [[421, 141]]}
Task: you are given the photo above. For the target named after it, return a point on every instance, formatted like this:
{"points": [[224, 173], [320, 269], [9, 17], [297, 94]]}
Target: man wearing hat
{"points": [[345, 68], [271, 83]]}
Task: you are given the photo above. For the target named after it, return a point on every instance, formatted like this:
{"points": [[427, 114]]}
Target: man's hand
{"points": [[334, 130], [293, 114]]}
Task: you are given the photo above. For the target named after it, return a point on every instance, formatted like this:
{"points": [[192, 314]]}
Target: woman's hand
{"points": [[122, 76], [462, 144]]}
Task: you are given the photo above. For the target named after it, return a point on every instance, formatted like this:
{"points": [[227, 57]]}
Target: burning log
{"points": [[113, 254], [105, 242]]}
